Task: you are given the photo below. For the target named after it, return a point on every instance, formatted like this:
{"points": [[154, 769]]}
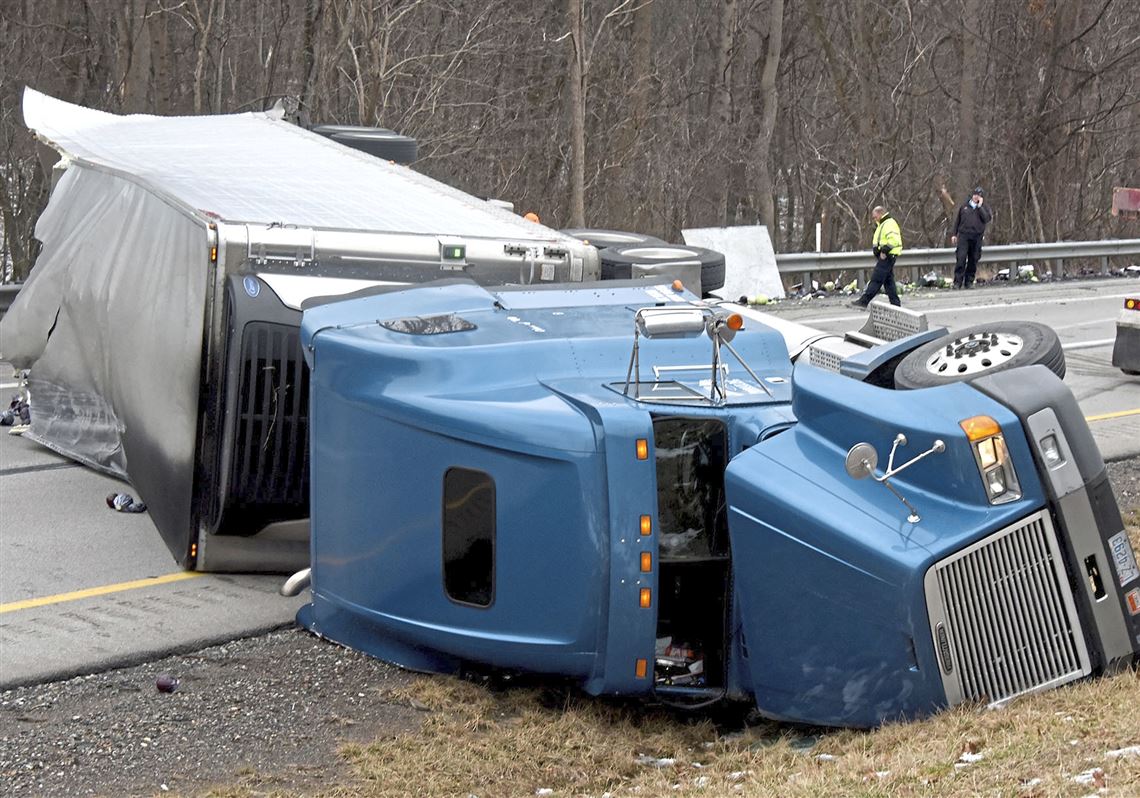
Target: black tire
{"points": [[377, 141], [980, 350], [618, 262], [613, 238]]}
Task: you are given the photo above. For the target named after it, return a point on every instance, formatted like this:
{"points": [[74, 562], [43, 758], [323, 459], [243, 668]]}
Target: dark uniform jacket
{"points": [[972, 221]]}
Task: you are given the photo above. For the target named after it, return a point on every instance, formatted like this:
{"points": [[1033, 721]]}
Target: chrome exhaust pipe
{"points": [[297, 582]]}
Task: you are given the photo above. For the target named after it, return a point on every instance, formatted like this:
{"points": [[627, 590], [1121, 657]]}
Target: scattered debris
{"points": [[1094, 777], [167, 683], [651, 761], [969, 756], [19, 413], [125, 503], [677, 663]]}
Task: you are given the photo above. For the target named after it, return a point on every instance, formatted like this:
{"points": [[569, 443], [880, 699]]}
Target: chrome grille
{"points": [[1003, 618]]}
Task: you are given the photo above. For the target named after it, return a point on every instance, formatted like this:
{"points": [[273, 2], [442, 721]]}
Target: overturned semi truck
{"points": [[654, 495], [160, 325]]}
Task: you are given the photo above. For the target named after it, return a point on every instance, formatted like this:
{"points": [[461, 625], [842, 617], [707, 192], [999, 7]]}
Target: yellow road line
{"points": [[59, 598], [1118, 414]]}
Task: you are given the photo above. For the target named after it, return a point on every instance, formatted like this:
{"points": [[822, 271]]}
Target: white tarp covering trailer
{"points": [[160, 324]]}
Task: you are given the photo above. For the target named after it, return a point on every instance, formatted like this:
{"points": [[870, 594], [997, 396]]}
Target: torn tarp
{"points": [[110, 324]]}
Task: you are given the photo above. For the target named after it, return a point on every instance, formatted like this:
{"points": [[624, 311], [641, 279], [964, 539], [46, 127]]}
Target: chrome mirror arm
{"points": [[861, 463]]}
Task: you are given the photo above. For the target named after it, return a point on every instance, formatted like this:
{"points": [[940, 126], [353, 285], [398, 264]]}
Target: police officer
{"points": [[969, 228], [886, 244]]}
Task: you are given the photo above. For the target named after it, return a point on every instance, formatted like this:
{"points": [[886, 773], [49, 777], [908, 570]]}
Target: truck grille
{"points": [[270, 462], [1003, 618]]}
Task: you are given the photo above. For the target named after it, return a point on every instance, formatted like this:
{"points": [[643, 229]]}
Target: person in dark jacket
{"points": [[969, 229]]}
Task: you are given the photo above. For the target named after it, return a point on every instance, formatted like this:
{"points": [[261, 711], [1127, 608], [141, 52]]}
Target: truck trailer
{"points": [[648, 494], [160, 325]]}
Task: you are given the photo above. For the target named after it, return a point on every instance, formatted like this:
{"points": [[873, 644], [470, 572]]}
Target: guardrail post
{"points": [[1104, 265]]}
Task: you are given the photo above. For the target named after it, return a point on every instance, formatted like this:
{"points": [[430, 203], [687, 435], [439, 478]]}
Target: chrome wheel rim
{"points": [[975, 353]]}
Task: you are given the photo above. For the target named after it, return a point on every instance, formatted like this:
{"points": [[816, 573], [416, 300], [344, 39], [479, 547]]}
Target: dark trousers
{"points": [[968, 254], [882, 278]]}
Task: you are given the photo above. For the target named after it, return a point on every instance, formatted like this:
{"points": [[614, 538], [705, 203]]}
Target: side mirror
{"points": [[861, 461]]}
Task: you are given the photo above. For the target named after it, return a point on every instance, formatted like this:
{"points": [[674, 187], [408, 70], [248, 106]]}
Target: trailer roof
{"points": [[256, 167]]}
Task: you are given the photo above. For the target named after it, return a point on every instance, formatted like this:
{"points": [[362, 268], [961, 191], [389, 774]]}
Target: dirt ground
{"points": [[269, 712]]}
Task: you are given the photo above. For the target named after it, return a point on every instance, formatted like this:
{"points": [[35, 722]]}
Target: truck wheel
{"points": [[377, 141], [618, 261], [613, 238], [980, 350]]}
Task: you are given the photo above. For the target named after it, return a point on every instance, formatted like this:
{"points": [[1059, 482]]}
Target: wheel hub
{"points": [[975, 353]]}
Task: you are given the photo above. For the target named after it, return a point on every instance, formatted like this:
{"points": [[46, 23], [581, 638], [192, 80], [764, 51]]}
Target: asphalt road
{"points": [[83, 588]]}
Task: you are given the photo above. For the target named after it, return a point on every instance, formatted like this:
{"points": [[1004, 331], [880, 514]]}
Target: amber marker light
{"points": [[678, 285], [646, 598], [642, 668], [642, 449], [646, 525], [979, 427], [646, 562], [1132, 304], [735, 322]]}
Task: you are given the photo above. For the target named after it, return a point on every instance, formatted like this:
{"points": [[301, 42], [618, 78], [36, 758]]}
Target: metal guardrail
{"points": [[915, 259], [1058, 252]]}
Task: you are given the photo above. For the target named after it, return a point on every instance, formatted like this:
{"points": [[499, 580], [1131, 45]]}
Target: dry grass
{"points": [[521, 742], [475, 742]]}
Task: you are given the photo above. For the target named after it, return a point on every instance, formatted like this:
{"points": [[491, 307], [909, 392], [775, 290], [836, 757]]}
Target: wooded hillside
{"points": [[650, 115]]}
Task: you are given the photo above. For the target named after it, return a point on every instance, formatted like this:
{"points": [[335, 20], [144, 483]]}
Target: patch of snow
{"points": [[882, 774], [544, 791], [700, 782], [1130, 751], [1094, 777], [663, 762], [1029, 785], [737, 775], [824, 757], [969, 758]]}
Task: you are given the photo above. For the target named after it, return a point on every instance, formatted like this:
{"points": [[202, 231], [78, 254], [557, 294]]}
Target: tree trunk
{"points": [[577, 99], [964, 175], [721, 107], [640, 79], [761, 147]]}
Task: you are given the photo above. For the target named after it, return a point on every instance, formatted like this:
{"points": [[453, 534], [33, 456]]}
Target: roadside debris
{"points": [[167, 683], [125, 503], [18, 414]]}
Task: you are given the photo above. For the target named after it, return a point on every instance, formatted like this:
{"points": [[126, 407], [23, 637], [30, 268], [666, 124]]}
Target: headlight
{"points": [[994, 463]]}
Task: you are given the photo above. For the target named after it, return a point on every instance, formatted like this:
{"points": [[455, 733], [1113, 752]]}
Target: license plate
{"points": [[1123, 558]]}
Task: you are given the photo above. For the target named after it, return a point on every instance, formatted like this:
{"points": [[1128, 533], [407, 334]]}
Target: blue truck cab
{"points": [[627, 486]]}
